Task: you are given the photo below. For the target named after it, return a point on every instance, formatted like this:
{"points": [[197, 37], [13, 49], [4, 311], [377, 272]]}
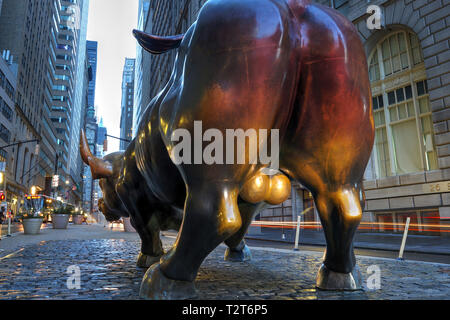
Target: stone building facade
{"points": [[44, 40], [408, 174], [8, 133]]}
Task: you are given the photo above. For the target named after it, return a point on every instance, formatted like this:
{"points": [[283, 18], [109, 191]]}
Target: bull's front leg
{"points": [[211, 216], [238, 250], [151, 246]]}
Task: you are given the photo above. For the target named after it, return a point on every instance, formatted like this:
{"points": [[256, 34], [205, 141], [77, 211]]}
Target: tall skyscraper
{"points": [[126, 119], [92, 47], [44, 37], [79, 109], [90, 187], [66, 98], [26, 33], [142, 66]]}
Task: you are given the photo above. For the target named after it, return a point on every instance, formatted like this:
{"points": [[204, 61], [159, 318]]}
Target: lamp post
{"points": [[67, 189]]}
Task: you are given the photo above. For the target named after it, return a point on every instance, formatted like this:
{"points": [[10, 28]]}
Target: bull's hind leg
{"points": [[339, 208], [328, 148], [211, 216], [237, 250], [340, 213]]}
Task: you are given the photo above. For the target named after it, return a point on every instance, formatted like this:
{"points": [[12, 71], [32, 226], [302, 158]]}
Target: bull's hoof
{"points": [[238, 255], [145, 261], [156, 286], [331, 280]]}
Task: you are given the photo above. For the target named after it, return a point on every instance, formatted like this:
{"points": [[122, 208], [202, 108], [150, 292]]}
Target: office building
{"points": [[44, 38], [126, 119], [92, 49]]}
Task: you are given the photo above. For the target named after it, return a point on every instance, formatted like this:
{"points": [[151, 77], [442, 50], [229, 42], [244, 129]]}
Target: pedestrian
{"points": [[2, 217]]}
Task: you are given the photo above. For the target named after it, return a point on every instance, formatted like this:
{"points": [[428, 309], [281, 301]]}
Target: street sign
{"points": [[55, 181]]}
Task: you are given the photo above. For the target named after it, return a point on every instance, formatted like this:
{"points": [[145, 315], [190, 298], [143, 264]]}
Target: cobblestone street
{"points": [[107, 263]]}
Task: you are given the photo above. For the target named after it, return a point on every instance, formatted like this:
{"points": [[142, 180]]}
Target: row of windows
{"points": [[5, 134], [6, 85], [59, 120], [6, 110]]}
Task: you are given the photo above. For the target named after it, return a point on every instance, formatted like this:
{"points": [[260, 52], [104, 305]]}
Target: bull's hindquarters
{"points": [[329, 149]]}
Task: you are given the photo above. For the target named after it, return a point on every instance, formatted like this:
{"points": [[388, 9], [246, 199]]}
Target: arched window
{"points": [[404, 139]]}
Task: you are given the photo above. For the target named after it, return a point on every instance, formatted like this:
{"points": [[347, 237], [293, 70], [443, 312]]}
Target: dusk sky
{"points": [[111, 23]]}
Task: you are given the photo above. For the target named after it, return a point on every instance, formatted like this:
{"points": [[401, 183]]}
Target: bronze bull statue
{"points": [[285, 66]]}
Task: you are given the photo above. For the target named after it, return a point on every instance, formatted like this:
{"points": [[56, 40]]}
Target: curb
{"points": [[355, 246], [287, 251]]}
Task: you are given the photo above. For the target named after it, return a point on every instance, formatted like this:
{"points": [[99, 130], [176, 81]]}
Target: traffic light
{"points": [[2, 196]]}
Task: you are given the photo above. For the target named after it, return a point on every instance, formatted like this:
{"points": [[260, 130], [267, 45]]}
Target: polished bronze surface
{"points": [[256, 188], [279, 189], [99, 168], [286, 65]]}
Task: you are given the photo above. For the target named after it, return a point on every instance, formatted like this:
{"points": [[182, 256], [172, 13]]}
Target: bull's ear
{"points": [[156, 44]]}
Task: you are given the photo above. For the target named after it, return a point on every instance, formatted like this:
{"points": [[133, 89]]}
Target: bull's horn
{"points": [[156, 44], [99, 168]]}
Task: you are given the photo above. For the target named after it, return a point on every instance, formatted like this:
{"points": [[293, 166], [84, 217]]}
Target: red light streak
{"points": [[376, 226]]}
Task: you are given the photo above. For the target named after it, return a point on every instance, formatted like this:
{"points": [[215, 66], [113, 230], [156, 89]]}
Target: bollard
{"points": [[405, 234], [297, 233], [9, 227]]}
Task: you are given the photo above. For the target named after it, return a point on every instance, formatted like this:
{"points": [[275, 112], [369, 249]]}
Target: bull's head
{"points": [[107, 170]]}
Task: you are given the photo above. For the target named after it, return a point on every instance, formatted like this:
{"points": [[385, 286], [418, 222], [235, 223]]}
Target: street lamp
{"points": [[33, 190]]}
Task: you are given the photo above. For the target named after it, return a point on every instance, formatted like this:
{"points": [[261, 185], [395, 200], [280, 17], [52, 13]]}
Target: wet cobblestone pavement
{"points": [[108, 271]]}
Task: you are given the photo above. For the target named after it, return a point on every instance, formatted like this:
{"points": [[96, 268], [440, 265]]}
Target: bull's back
{"points": [[236, 73]]}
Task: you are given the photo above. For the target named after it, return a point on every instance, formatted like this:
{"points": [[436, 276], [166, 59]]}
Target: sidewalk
{"points": [[414, 243], [73, 232], [15, 227]]}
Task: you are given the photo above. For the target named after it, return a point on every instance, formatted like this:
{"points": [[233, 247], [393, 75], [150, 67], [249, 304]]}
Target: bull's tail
{"points": [[157, 44]]}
